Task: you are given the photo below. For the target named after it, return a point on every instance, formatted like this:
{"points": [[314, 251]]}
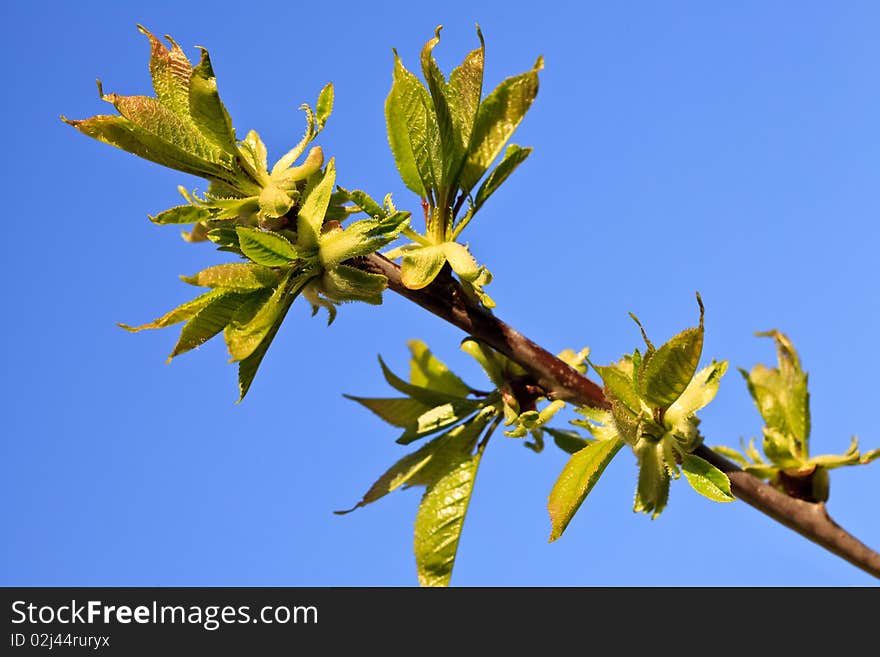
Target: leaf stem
{"points": [[445, 298]]}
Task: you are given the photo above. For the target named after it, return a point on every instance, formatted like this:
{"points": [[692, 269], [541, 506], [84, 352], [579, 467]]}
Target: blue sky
{"points": [[731, 149]]}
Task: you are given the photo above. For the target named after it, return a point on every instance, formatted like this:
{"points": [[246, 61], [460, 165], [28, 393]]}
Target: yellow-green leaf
{"points": [[421, 266], [235, 276], [498, 116], [428, 371], [264, 247], [182, 313], [397, 411], [576, 481], [439, 522], [706, 479], [513, 157], [245, 335], [208, 322], [314, 207]]}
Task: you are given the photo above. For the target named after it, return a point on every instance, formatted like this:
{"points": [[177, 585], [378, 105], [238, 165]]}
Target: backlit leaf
{"points": [[576, 481], [421, 266], [182, 313], [207, 323], [706, 479], [264, 247], [397, 411], [513, 157], [498, 116], [439, 522], [428, 371], [235, 276]]}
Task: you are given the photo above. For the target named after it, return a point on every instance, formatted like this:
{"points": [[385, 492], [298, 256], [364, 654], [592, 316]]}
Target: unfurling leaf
{"points": [[576, 481], [706, 479], [665, 373], [420, 266], [780, 393], [653, 488]]}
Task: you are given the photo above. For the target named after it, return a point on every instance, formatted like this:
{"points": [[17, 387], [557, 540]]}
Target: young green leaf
{"points": [[699, 392], [182, 313], [513, 157], [343, 283], [401, 472], [235, 276], [465, 90], [425, 395], [247, 368], [706, 479], [207, 323], [421, 266], [438, 418], [264, 247], [451, 146], [576, 481], [412, 130], [244, 337], [184, 214], [498, 116], [206, 108], [314, 207], [666, 373], [324, 106], [440, 519], [653, 488], [780, 393], [397, 411], [428, 371]]}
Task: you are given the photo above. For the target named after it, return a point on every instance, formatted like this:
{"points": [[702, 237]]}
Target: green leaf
{"points": [[206, 108], [245, 335], [264, 247], [366, 203], [207, 323], [428, 371], [464, 91], [254, 147], [666, 373], [425, 395], [437, 418], [182, 313], [451, 146], [412, 130], [401, 473], [513, 157], [618, 384], [184, 214], [699, 392], [235, 276], [314, 207], [247, 368], [706, 479], [397, 411], [440, 519], [498, 116], [324, 106], [421, 266], [576, 481], [568, 441], [360, 238], [653, 488]]}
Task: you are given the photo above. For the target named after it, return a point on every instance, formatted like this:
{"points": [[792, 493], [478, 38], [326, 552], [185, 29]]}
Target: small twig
{"points": [[445, 298]]}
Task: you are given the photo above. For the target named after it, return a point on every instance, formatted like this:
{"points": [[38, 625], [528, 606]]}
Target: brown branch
{"points": [[446, 299]]}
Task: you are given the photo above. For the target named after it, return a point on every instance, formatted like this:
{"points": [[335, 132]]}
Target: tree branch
{"points": [[446, 299]]}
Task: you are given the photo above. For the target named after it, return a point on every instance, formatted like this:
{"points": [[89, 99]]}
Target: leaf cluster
{"points": [[444, 136], [781, 396]]}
